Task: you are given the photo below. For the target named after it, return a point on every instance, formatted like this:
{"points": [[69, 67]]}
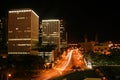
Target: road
{"points": [[70, 57]]}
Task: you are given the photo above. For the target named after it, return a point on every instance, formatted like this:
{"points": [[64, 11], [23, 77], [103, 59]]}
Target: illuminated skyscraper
{"points": [[51, 32], [23, 31]]}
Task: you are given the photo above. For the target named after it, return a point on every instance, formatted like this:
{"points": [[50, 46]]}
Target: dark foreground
{"points": [[106, 73]]}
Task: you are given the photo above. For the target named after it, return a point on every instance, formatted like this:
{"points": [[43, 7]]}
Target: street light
{"points": [[8, 76]]}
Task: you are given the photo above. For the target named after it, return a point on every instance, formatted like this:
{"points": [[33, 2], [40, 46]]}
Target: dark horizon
{"points": [[82, 18]]}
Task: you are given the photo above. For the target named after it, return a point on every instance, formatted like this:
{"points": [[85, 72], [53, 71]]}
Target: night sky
{"points": [[82, 17]]}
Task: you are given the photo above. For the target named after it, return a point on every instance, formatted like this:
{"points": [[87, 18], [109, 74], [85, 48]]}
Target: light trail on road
{"points": [[62, 65], [66, 63]]}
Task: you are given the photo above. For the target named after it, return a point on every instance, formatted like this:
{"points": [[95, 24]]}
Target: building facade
{"points": [[23, 31], [51, 32], [102, 48]]}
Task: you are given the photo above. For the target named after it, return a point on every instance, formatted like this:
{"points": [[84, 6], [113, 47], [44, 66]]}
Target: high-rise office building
{"points": [[51, 32], [23, 31]]}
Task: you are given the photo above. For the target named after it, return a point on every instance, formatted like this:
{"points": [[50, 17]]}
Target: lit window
{"points": [[16, 28], [10, 31]]}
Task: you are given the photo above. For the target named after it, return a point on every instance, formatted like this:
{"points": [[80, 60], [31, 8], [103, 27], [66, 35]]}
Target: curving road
{"points": [[71, 56]]}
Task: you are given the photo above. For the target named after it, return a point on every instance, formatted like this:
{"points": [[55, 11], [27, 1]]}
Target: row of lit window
{"points": [[21, 18], [17, 11], [50, 35], [20, 39], [50, 29], [18, 53], [50, 39], [53, 20], [23, 44], [101, 50], [20, 31], [45, 42]]}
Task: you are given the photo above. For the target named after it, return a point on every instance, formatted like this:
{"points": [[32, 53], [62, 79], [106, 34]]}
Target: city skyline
{"points": [[81, 18]]}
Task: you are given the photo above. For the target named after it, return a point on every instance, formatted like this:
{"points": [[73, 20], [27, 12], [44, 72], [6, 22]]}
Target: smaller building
{"points": [[87, 46], [101, 48]]}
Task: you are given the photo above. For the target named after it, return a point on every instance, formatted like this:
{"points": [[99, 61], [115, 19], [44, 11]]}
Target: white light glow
{"points": [[19, 39], [23, 44], [50, 20], [18, 53], [18, 11]]}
